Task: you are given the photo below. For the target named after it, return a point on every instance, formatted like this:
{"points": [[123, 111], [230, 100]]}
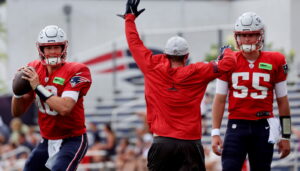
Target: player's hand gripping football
{"points": [[131, 8], [31, 76]]}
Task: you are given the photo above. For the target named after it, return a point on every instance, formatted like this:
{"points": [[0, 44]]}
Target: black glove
{"points": [[222, 49], [134, 5], [131, 8]]}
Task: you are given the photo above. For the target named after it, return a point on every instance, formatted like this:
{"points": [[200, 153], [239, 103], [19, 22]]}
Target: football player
{"points": [[252, 128], [59, 88], [173, 92]]}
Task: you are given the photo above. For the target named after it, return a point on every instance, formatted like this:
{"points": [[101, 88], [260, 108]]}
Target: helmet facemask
{"points": [[54, 58], [249, 47], [248, 24], [52, 36]]}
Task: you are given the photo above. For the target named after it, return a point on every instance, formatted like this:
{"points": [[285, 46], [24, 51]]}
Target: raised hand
{"points": [[134, 5], [131, 8], [222, 49]]}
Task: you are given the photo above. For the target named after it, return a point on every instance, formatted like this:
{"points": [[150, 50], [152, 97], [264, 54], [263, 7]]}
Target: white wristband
{"points": [[17, 97], [215, 131]]}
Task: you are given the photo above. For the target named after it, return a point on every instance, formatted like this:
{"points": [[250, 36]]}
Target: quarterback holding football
{"points": [[58, 88]]}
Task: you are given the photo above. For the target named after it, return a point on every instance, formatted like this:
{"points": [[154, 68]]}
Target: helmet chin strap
{"points": [[248, 48]]}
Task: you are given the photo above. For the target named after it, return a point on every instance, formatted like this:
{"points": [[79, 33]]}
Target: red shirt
{"points": [[251, 85], [69, 77], [173, 95]]}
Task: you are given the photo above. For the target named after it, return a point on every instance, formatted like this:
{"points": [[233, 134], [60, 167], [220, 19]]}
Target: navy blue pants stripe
{"points": [[80, 154]]}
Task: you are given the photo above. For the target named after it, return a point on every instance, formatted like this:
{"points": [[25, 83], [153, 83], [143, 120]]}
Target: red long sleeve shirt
{"points": [[173, 95]]}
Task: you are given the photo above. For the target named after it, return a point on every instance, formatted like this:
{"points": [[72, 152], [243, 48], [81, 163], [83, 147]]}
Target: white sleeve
{"points": [[221, 87], [281, 89], [72, 94]]}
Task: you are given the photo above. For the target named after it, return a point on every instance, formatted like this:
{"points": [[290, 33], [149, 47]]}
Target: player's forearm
{"points": [[217, 117], [283, 106], [63, 106], [218, 108], [17, 108], [20, 105], [285, 119]]}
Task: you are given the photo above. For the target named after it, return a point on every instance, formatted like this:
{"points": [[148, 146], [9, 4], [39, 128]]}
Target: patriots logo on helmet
{"points": [[78, 79]]}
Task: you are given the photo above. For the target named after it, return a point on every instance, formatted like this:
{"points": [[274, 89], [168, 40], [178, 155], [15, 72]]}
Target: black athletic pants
{"points": [[169, 154]]}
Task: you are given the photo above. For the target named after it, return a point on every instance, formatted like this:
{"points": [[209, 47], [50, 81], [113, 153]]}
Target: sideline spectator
{"points": [[108, 145], [93, 134], [17, 128]]}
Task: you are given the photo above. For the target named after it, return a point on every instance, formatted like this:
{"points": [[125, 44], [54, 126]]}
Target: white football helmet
{"points": [[249, 23], [52, 35], [176, 46]]}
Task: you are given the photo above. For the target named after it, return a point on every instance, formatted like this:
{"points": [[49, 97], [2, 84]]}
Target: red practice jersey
{"points": [[251, 85], [173, 95], [69, 77]]}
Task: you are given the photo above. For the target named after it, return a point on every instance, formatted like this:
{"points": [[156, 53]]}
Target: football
{"points": [[20, 86]]}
